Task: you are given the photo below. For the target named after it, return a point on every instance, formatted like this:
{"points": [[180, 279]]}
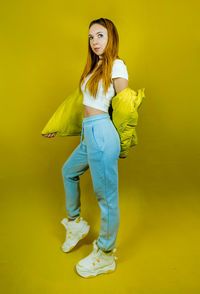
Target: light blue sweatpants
{"points": [[99, 151]]}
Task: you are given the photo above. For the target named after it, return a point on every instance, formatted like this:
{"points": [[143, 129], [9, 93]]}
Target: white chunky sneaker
{"points": [[76, 230], [97, 262]]}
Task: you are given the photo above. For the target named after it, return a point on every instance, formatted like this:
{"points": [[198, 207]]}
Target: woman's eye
{"points": [[98, 35]]}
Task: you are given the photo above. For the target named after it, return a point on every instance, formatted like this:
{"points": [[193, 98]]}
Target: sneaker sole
{"points": [[91, 274], [83, 236]]}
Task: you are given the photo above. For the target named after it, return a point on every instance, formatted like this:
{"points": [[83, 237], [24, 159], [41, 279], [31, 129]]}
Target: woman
{"points": [[105, 75]]}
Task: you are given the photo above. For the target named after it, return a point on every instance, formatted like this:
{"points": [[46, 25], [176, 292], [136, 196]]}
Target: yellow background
{"points": [[43, 52]]}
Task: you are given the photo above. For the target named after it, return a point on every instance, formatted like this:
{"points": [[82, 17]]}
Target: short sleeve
{"points": [[119, 69]]}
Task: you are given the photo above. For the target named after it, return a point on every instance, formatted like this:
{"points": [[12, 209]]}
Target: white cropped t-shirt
{"points": [[102, 101]]}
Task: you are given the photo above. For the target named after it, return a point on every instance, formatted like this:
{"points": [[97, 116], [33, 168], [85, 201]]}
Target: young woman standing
{"points": [[105, 75]]}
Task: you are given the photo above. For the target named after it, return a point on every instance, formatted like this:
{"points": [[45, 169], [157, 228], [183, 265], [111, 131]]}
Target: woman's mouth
{"points": [[96, 48]]}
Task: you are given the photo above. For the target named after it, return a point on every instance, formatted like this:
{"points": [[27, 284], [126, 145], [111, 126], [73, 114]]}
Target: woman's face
{"points": [[98, 36]]}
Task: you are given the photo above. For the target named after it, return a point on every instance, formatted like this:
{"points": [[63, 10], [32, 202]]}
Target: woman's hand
{"points": [[49, 135]]}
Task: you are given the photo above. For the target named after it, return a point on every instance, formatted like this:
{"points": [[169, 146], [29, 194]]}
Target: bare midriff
{"points": [[90, 111]]}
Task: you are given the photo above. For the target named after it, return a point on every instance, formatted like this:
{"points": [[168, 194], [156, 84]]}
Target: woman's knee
{"points": [[69, 174], [65, 169]]}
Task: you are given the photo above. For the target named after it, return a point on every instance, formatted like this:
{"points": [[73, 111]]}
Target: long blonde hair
{"points": [[104, 69]]}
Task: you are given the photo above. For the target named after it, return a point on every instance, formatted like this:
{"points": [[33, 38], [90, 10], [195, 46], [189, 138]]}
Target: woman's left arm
{"points": [[120, 84]]}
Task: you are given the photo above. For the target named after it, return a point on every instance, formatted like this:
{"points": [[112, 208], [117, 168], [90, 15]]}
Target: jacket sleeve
{"points": [[125, 117], [67, 119], [137, 103]]}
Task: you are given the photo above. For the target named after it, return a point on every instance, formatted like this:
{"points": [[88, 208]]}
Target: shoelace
{"points": [[96, 252], [65, 221], [66, 224], [68, 229]]}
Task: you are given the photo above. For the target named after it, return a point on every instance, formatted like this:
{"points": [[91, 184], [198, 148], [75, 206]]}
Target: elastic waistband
{"points": [[96, 117]]}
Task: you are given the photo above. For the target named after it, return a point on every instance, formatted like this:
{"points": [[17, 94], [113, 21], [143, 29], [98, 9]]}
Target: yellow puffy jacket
{"points": [[67, 120]]}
